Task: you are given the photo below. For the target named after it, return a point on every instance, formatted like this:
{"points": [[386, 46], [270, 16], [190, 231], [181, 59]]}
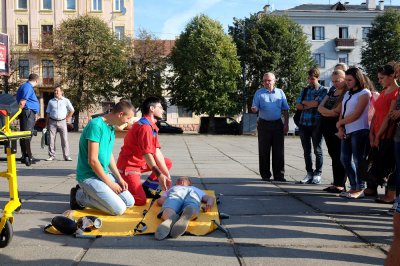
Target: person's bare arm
{"points": [[93, 160], [165, 181], [286, 122], [22, 103], [117, 175], [69, 115]]}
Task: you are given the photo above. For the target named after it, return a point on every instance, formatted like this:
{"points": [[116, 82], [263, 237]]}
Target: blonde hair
{"points": [[339, 72]]}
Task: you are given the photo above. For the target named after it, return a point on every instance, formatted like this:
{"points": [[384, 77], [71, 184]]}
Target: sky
{"points": [[166, 19]]}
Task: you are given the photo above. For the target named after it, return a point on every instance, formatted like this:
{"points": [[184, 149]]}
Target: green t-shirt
{"points": [[97, 131]]}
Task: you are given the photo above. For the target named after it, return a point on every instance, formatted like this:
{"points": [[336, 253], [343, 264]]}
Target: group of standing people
{"points": [[357, 124], [59, 110]]}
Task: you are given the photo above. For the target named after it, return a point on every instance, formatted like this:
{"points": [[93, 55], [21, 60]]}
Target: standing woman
{"points": [[380, 131], [353, 130], [329, 109]]}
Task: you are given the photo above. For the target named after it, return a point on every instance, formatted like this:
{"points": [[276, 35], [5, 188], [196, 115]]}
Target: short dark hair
{"points": [[386, 70], [357, 74], [314, 72], [150, 101], [33, 77], [122, 106], [58, 85]]}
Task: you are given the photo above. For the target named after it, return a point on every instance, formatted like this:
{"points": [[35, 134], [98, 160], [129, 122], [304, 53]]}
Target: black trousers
{"points": [[328, 129], [26, 123], [270, 135]]}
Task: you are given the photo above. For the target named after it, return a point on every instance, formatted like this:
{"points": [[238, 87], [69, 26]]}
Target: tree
{"points": [[270, 43], [89, 58], [143, 75], [382, 43], [205, 69]]}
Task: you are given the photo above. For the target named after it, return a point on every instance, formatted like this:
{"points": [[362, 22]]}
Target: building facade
{"points": [[30, 24], [336, 32]]}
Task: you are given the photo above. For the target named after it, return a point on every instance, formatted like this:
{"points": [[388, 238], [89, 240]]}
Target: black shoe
{"points": [[281, 179], [27, 161], [266, 178], [72, 199]]}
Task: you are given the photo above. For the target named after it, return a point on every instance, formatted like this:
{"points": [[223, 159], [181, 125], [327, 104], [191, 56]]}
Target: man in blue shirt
{"points": [[271, 103], [29, 104], [309, 130]]}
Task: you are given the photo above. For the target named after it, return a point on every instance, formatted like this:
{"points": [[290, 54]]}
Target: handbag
{"points": [[297, 114]]}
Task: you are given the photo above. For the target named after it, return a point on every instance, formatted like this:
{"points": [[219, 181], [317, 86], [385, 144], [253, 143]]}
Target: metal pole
{"points": [[244, 72]]}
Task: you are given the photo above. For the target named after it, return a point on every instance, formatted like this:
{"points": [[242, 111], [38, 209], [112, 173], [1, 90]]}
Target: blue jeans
{"points": [[96, 194], [353, 152], [308, 134]]}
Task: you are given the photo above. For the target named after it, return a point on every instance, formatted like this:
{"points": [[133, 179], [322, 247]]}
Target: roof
{"points": [[336, 7], [166, 44]]}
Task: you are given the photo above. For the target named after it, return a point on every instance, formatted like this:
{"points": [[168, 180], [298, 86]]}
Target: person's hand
{"points": [[394, 114], [371, 139], [340, 133], [338, 124], [165, 182], [115, 187], [254, 109], [123, 184], [375, 143], [207, 207], [285, 129]]}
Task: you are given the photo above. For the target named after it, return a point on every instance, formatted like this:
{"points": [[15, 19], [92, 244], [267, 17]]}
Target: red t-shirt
{"points": [[382, 106], [139, 140]]}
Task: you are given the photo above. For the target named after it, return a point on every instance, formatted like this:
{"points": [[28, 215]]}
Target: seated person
{"points": [[182, 198]]}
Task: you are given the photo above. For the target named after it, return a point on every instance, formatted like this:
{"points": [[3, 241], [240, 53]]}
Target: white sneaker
{"points": [[316, 179], [51, 158], [307, 179]]}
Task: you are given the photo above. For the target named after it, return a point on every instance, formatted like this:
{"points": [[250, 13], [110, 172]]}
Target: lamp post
{"points": [[244, 72], [243, 27]]}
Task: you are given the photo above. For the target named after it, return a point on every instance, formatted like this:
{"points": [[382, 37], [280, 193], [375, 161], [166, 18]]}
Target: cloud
{"points": [[176, 23]]}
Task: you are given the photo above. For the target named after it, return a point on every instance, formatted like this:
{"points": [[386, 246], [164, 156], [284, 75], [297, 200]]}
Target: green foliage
{"points": [[382, 43], [143, 75], [270, 43], [205, 69], [89, 58]]}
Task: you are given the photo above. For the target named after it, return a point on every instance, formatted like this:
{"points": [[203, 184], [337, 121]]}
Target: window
{"points": [[118, 5], [319, 59], [365, 32], [70, 4], [47, 36], [344, 58], [22, 34], [343, 32], [96, 5], [183, 112], [119, 32], [318, 33], [22, 4], [47, 5], [47, 72], [23, 68]]}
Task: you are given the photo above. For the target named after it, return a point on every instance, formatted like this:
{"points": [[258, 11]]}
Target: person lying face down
{"points": [[183, 199]]}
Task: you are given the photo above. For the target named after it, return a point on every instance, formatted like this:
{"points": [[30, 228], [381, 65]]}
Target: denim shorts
{"points": [[178, 204]]}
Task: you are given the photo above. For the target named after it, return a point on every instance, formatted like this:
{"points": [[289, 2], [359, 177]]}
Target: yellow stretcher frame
{"points": [[14, 204]]}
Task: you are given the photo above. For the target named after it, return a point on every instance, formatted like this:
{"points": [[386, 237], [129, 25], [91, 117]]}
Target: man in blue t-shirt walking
{"points": [[29, 104]]}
